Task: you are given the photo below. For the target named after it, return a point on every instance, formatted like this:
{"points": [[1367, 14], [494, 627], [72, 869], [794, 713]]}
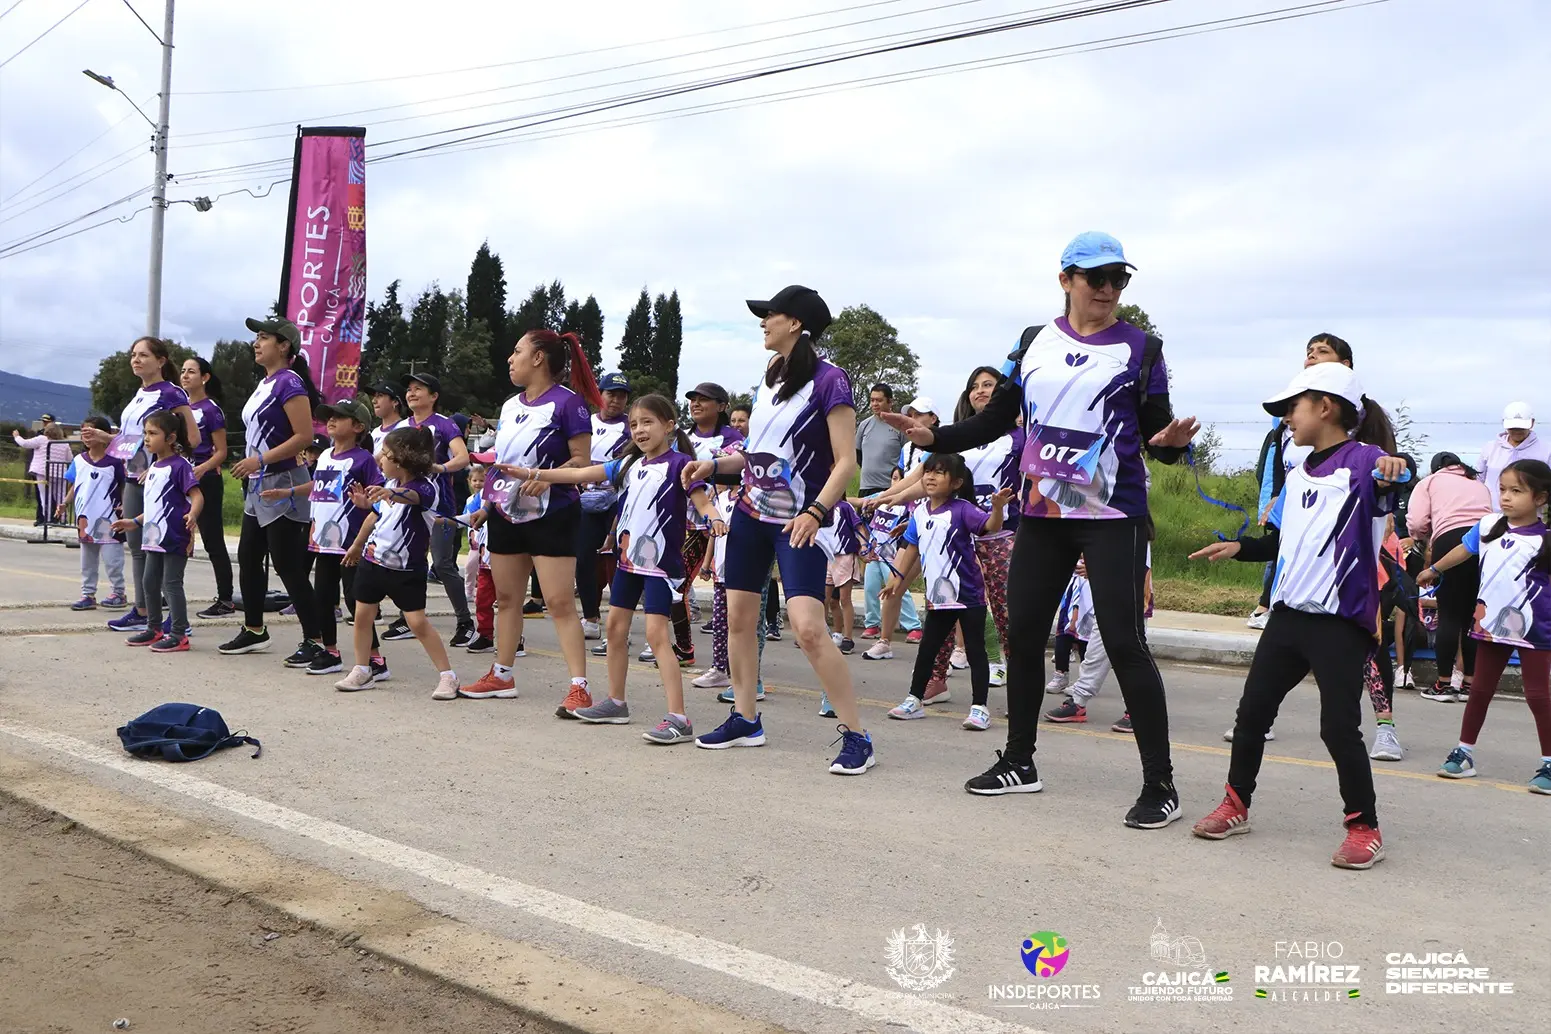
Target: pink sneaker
{"points": [[913, 638], [937, 692]]}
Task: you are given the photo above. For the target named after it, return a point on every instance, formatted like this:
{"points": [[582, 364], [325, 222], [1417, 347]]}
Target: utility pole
{"points": [[153, 303]]}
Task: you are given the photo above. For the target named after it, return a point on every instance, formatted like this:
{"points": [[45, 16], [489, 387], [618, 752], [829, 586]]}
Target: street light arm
{"points": [[107, 80]]}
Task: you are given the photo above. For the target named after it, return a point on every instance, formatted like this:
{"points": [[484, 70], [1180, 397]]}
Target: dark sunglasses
{"points": [[1097, 278]]}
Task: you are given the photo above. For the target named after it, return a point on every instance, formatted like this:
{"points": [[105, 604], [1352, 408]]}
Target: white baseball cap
{"points": [[1518, 416], [1336, 379], [922, 404]]}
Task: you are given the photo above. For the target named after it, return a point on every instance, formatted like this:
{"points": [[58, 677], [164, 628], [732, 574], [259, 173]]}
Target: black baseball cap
{"points": [[801, 303], [393, 391], [430, 380], [279, 326], [707, 389]]}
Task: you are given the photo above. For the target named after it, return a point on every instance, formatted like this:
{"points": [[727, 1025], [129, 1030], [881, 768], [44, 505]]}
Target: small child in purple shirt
{"points": [[172, 505]]}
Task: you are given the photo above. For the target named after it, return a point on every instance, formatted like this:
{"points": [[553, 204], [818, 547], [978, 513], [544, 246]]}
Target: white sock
{"points": [[1468, 748], [363, 669], [579, 681], [450, 674], [503, 671]]}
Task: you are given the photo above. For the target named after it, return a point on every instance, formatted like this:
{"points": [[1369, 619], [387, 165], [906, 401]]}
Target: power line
{"points": [[64, 161], [13, 7], [84, 229], [45, 32], [72, 190], [71, 222], [154, 34]]}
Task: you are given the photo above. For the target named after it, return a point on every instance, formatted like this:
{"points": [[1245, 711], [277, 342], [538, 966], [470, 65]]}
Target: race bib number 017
{"points": [[1062, 454]]}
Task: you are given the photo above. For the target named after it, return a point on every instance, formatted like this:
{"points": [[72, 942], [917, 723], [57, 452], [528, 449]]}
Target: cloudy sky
{"points": [[1378, 171]]}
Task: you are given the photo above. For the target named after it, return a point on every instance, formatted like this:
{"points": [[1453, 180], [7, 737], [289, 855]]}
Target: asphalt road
{"points": [[756, 880]]}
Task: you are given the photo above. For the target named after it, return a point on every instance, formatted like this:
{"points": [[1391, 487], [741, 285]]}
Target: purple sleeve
{"points": [[680, 461], [1158, 383], [172, 396], [120, 472], [215, 418], [365, 471], [732, 439], [186, 479], [835, 390], [574, 418], [287, 387], [974, 517], [424, 490]]}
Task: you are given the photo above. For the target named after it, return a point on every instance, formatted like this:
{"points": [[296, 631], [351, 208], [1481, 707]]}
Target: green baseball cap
{"points": [[350, 409], [279, 326]]}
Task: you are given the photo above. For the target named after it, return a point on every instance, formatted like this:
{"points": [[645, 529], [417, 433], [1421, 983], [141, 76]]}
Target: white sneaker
{"points": [[646, 655], [911, 708], [592, 630], [712, 678], [359, 678], [1270, 735], [998, 674], [1401, 678], [1057, 683], [979, 718], [835, 638], [446, 688], [1386, 745], [1259, 620], [957, 660], [879, 651]]}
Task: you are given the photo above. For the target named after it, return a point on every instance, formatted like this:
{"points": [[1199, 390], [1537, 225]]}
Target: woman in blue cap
{"points": [[1093, 393]]}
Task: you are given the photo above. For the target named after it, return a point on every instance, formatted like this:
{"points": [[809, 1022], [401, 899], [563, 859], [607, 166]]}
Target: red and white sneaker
{"points": [[913, 638], [1361, 849], [871, 632], [575, 700], [1230, 818], [937, 692], [490, 687]]}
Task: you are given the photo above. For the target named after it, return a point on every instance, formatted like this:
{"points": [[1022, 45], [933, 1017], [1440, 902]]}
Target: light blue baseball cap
{"points": [[1093, 248]]}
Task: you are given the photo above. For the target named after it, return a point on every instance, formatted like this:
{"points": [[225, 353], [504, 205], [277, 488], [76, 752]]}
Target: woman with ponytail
{"points": [[151, 360], [277, 428], [203, 388], [531, 525]]}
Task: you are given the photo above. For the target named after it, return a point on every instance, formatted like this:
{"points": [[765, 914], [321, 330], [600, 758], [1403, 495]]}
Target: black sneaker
{"points": [[772, 634], [245, 641], [1157, 806], [306, 653], [480, 644], [380, 672], [1005, 777], [397, 631], [522, 646], [532, 608], [349, 617], [686, 657], [847, 645], [325, 663], [218, 609], [463, 636], [708, 628], [1123, 724]]}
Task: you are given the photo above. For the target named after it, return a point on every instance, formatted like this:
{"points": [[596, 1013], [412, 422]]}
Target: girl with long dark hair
{"points": [[203, 388]]}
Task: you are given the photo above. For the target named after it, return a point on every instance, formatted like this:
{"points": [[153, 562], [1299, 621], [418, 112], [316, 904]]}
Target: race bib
{"points": [[1062, 454], [505, 492], [329, 489], [125, 446]]}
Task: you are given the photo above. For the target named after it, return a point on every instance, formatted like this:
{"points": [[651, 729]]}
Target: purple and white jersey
{"points": [[788, 450], [208, 418], [609, 437], [880, 531], [336, 521], [650, 529], [443, 430], [264, 422], [946, 539], [726, 502], [1083, 445], [1513, 606], [1076, 616], [402, 535], [1331, 517], [99, 491], [838, 536], [538, 434], [379, 433], [720, 442], [995, 467], [167, 486], [129, 444]]}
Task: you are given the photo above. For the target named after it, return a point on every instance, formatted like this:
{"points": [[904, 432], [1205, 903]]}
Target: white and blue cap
{"points": [[1093, 248], [1335, 379]]}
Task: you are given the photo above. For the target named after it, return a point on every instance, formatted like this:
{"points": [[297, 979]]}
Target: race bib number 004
{"points": [[1062, 454]]}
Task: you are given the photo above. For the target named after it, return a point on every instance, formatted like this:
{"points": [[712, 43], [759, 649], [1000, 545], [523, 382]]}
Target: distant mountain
{"points": [[26, 398]]}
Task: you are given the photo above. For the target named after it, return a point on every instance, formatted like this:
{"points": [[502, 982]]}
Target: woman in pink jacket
{"points": [[1444, 506], [48, 448]]}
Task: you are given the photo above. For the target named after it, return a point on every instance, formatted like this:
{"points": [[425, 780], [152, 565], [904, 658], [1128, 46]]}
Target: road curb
{"points": [[541, 987]]}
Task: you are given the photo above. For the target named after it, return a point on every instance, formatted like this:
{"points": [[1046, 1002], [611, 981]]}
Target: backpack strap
{"points": [[1015, 357], [1152, 350]]}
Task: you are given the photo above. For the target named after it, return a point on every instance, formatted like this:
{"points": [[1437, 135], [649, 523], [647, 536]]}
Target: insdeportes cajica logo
{"points": [[1307, 972], [1180, 972], [1439, 973], [1044, 955]]}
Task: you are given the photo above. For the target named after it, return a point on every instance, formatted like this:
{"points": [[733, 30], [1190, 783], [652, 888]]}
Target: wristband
{"points": [[1434, 569]]}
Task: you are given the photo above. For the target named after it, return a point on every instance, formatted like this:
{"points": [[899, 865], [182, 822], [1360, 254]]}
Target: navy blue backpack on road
{"points": [[180, 732]]}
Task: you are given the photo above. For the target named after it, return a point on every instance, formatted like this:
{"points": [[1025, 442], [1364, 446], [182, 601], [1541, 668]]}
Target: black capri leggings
{"points": [[1457, 591], [329, 576], [212, 533], [284, 542], [1043, 555], [591, 531]]}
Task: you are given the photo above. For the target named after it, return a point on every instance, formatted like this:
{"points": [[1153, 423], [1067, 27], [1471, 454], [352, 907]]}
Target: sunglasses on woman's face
{"points": [[1097, 278]]}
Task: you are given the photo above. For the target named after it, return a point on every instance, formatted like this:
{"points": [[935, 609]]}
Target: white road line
{"points": [[875, 1005]]}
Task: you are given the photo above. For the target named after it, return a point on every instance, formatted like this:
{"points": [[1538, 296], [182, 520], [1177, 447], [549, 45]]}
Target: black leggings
{"points": [[938, 629], [1337, 651], [773, 606], [284, 541], [591, 531], [212, 533], [329, 576], [1043, 555], [1063, 651], [1457, 591]]}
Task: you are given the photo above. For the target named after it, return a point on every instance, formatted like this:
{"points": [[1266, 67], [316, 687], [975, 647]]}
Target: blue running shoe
{"points": [[856, 755], [1459, 765], [726, 697], [1542, 781], [132, 621], [736, 731], [84, 603]]}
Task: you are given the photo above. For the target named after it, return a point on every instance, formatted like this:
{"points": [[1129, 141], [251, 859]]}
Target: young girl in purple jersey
{"points": [[653, 505], [96, 491], [389, 554], [172, 504], [1325, 536], [940, 539]]}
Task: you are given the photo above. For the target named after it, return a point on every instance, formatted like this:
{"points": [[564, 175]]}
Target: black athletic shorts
{"points": [[406, 589], [553, 534]]}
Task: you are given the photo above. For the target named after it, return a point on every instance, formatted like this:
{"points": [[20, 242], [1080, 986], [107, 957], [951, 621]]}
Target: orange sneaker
{"points": [[490, 687], [1362, 847], [575, 700], [1231, 817]]}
